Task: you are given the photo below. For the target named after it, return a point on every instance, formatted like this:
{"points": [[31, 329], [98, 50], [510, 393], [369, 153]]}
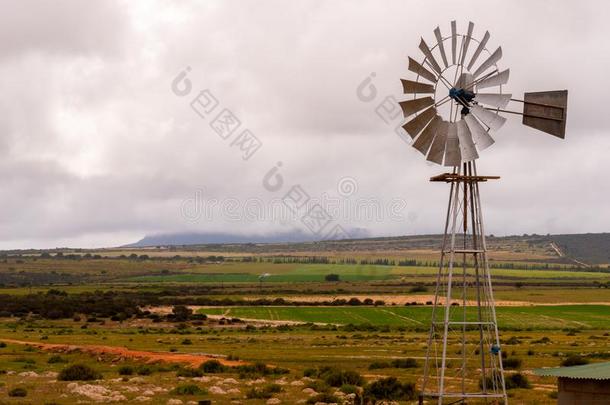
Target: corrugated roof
{"points": [[595, 371]]}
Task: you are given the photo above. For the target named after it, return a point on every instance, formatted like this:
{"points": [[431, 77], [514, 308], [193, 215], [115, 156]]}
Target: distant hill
{"points": [[591, 248], [207, 238]]}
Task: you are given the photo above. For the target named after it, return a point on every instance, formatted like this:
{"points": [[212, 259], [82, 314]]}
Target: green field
{"points": [[248, 273], [514, 318]]}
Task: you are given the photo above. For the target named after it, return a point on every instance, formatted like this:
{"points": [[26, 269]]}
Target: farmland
{"points": [[145, 320]]}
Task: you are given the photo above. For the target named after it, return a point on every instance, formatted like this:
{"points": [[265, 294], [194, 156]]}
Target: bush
{"points": [[265, 392], [418, 288], [54, 359], [188, 389], [348, 389], [318, 386], [2, 345], [18, 392], [212, 366], [144, 370], [404, 363], [126, 370], [324, 398], [259, 369], [189, 372], [512, 363], [517, 380], [574, 360], [376, 365], [187, 342], [78, 372], [390, 389], [331, 277], [336, 377], [511, 381]]}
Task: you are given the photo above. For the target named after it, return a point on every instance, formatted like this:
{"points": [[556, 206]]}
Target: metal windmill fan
{"points": [[453, 105]]}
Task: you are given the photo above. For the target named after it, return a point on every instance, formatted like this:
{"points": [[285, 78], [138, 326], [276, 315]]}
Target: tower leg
{"points": [[463, 354]]}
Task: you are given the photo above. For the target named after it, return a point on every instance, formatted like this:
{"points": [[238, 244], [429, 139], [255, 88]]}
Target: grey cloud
{"points": [[95, 144]]}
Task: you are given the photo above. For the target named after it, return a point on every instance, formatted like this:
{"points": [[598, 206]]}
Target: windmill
{"points": [[452, 106]]}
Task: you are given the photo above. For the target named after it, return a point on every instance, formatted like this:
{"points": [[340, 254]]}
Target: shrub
{"points": [[379, 364], [348, 389], [391, 389], [318, 386], [187, 342], [517, 380], [54, 359], [513, 340], [78, 372], [17, 392], [511, 381], [189, 372], [259, 369], [418, 288], [512, 363], [212, 366], [265, 392], [310, 372], [336, 377], [144, 370], [324, 398], [2, 344], [126, 370], [574, 360], [188, 389], [404, 363]]}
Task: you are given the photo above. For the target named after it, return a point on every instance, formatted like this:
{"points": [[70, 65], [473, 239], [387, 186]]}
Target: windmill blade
{"points": [[437, 150], [492, 120], [429, 57], [493, 58], [424, 140], [452, 147], [495, 80], [441, 47], [418, 123], [412, 106], [467, 42], [479, 50], [415, 67], [453, 41], [496, 100], [465, 81], [467, 148], [411, 87], [481, 137]]}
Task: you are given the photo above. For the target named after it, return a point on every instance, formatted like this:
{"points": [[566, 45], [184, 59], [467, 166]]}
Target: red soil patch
{"points": [[194, 360]]}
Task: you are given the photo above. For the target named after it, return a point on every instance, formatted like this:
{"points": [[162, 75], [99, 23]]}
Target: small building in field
{"points": [[576, 385]]}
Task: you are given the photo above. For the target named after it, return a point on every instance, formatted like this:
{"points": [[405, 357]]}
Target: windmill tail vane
{"points": [[453, 103]]}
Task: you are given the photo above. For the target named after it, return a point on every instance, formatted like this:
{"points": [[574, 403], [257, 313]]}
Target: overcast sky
{"points": [[98, 150]]}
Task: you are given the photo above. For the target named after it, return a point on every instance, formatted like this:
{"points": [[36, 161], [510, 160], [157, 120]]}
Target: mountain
{"points": [[208, 238]]}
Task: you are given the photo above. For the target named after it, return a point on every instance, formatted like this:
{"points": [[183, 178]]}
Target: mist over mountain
{"points": [[203, 238]]}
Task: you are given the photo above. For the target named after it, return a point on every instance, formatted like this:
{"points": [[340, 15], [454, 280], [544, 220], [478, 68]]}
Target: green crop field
{"points": [[245, 272], [531, 317]]}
